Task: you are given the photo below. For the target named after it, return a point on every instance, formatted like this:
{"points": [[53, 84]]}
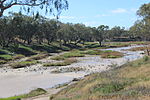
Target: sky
{"points": [[101, 12]]}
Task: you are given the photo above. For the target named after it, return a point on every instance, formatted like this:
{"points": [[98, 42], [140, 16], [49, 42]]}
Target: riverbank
{"points": [[128, 82], [23, 80]]}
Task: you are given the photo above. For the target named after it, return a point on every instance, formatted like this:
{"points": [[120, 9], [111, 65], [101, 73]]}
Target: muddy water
{"points": [[20, 81]]}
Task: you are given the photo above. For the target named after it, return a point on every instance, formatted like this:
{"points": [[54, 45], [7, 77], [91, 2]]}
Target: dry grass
{"points": [[112, 54], [139, 49], [64, 63], [38, 57], [129, 82], [23, 64]]}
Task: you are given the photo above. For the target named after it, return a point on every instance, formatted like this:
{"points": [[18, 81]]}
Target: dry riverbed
{"points": [[19, 81]]}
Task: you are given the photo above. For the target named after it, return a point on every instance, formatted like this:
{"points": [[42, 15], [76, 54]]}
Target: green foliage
{"points": [[92, 52], [6, 57], [3, 51], [109, 87], [24, 50], [111, 54], [23, 64], [74, 53]]}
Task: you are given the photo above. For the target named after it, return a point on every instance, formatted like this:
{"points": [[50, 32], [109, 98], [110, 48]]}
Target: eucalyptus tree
{"points": [[31, 5], [142, 27], [65, 33], [47, 30], [80, 32], [144, 12], [100, 33]]}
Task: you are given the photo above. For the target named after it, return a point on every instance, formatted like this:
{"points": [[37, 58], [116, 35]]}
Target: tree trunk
{"points": [[1, 13], [60, 44], [100, 43]]}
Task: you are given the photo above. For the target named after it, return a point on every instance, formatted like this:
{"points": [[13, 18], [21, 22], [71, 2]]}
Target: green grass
{"points": [[92, 52], [128, 82], [111, 54], [123, 44], [74, 53], [3, 51], [38, 57], [33, 93], [23, 64], [64, 63], [6, 57], [18, 56], [24, 50]]}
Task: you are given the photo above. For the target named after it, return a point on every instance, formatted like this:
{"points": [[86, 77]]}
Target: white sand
{"points": [[20, 81], [15, 84]]}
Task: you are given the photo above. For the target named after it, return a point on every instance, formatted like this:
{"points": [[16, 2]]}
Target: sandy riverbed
{"points": [[20, 81]]}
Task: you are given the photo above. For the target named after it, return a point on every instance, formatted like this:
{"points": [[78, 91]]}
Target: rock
{"points": [[75, 79]]}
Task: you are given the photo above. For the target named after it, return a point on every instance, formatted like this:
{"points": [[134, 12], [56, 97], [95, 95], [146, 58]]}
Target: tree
{"points": [[144, 11], [29, 5], [100, 32], [142, 27]]}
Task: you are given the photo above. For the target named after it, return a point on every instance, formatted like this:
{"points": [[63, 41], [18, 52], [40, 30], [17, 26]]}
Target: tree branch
{"points": [[22, 5]]}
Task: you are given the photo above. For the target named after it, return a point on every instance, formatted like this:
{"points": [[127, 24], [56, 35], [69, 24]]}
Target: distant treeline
{"points": [[18, 28]]}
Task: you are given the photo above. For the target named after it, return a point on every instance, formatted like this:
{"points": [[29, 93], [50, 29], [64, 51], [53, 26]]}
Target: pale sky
{"points": [[98, 12]]}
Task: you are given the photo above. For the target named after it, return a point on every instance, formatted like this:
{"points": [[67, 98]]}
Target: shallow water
{"points": [[20, 81]]}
